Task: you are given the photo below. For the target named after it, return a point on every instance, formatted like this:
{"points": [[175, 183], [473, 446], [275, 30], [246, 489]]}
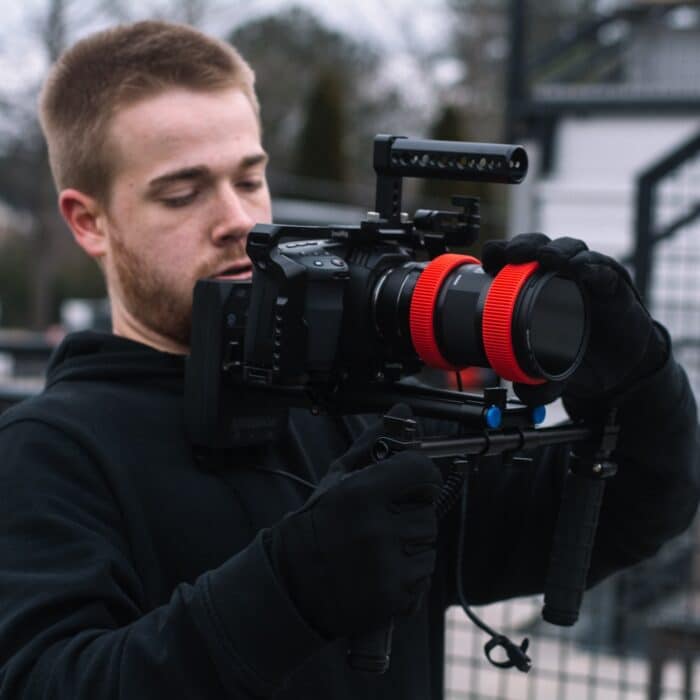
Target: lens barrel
{"points": [[529, 325]]}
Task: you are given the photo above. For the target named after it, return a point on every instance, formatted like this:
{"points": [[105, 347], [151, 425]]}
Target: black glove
{"points": [[362, 549], [360, 454], [625, 344]]}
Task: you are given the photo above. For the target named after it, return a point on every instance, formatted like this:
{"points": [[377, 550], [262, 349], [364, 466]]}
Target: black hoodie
{"points": [[132, 568]]}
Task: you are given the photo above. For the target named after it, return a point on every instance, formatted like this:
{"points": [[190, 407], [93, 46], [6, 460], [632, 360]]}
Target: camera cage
{"points": [[231, 401]]}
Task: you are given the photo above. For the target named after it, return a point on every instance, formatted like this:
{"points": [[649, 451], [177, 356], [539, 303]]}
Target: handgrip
{"points": [[572, 546], [371, 652]]}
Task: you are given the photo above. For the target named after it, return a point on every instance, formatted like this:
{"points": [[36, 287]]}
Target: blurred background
{"points": [[604, 94]]}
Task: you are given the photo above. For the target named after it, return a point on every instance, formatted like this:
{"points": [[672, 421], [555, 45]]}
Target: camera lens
{"points": [[551, 315], [530, 326]]}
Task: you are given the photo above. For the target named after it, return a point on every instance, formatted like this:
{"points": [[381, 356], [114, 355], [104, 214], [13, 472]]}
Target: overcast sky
{"points": [[404, 29], [397, 25], [385, 22]]}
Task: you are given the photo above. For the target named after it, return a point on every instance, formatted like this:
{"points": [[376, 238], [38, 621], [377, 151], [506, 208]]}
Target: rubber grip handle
{"points": [[571, 549], [371, 652]]}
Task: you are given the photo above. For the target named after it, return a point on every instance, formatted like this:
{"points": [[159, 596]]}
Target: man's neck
{"points": [[126, 326]]}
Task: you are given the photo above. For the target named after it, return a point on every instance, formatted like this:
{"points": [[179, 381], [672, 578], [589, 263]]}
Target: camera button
{"points": [[337, 262]]}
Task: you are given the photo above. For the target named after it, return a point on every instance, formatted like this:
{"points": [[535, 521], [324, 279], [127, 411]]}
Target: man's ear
{"points": [[83, 215]]}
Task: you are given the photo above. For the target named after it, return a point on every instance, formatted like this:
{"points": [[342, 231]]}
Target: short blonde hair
{"points": [[117, 67]]}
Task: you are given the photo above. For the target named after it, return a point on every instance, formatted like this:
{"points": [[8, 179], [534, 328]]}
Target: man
{"points": [[131, 567]]}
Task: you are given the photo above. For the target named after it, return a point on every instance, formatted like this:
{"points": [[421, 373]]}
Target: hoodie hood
{"points": [[89, 355]]}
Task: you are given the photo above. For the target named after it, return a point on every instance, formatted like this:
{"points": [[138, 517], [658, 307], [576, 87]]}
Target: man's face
{"points": [[189, 184]]}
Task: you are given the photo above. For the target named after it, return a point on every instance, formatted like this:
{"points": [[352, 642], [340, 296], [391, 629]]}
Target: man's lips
{"points": [[241, 271]]}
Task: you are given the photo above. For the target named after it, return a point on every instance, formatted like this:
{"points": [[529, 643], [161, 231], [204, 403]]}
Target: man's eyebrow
{"points": [[256, 159], [194, 173], [199, 172]]}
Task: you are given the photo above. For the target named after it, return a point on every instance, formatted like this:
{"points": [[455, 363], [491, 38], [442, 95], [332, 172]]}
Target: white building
{"points": [[628, 100]]}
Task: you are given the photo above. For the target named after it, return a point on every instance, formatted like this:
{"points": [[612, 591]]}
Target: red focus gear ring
{"points": [[422, 312], [497, 322]]}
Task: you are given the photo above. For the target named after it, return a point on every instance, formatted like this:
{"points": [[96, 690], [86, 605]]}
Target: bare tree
{"points": [[312, 56]]}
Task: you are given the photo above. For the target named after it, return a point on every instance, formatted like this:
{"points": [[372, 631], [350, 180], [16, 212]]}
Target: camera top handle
{"points": [[396, 157]]}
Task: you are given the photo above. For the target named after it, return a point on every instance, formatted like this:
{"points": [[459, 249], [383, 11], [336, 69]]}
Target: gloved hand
{"points": [[362, 549], [360, 453], [625, 344]]}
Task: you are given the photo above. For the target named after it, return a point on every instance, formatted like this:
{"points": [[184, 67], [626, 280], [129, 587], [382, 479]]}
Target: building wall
{"points": [[590, 190]]}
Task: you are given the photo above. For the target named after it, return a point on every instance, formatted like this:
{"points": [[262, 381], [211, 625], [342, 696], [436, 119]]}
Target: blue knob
{"points": [[539, 413], [493, 417]]}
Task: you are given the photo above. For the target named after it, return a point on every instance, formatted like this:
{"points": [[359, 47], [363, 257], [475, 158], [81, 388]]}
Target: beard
{"points": [[150, 297]]}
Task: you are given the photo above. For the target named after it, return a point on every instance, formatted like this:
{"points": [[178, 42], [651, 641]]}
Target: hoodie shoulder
{"points": [[54, 408], [97, 380], [90, 356]]}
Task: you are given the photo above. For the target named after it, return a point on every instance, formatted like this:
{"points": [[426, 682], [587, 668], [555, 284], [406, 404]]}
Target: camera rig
{"points": [[337, 319]]}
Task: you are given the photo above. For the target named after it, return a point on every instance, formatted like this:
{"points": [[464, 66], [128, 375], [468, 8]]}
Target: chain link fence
{"points": [[638, 637]]}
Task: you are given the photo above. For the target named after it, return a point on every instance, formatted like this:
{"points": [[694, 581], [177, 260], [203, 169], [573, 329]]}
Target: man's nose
{"points": [[232, 218]]}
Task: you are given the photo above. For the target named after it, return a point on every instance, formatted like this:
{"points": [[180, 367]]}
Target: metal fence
{"points": [[638, 637]]}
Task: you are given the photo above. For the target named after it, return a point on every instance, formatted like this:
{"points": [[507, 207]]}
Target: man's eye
{"points": [[250, 185], [180, 201]]}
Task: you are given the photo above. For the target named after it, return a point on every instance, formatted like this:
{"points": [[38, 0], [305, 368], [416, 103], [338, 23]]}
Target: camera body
{"points": [[296, 334], [312, 318]]}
